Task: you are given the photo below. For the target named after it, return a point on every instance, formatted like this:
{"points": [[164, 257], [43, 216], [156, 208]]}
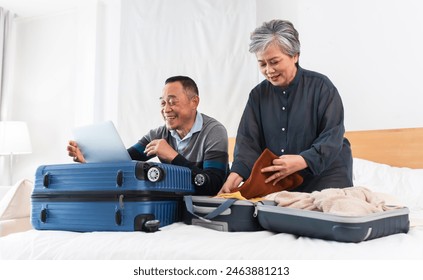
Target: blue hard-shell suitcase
{"points": [[119, 196]]}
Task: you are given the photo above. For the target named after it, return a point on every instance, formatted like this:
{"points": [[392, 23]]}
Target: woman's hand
{"points": [[283, 166], [232, 182]]}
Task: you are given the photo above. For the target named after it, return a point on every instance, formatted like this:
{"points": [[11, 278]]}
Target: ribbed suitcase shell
{"points": [[107, 176], [107, 196], [333, 227]]}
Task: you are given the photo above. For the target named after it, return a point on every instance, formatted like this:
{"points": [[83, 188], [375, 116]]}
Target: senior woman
{"points": [[295, 113]]}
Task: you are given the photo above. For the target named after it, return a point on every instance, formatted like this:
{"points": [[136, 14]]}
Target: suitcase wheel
{"points": [[43, 215], [155, 174], [151, 226], [200, 179], [146, 223]]}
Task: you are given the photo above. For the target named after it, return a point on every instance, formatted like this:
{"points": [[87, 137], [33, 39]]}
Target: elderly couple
{"points": [[295, 113]]}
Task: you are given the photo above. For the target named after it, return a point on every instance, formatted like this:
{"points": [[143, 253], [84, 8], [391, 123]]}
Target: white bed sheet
{"points": [[183, 242]]}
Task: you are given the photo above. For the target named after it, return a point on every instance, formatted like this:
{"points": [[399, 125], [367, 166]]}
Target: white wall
{"points": [[206, 40], [371, 50], [70, 66], [53, 84], [42, 95]]}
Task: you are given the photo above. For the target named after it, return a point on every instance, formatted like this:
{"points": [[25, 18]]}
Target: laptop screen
{"points": [[100, 142]]}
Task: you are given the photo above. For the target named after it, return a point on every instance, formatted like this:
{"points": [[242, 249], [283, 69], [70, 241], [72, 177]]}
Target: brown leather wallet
{"points": [[255, 187]]}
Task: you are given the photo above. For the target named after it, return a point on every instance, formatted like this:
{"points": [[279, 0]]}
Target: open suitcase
{"points": [[243, 215], [119, 196], [221, 214], [333, 227]]}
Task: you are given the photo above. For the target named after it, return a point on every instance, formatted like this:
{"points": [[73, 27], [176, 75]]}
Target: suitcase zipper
{"points": [[105, 196], [256, 208]]}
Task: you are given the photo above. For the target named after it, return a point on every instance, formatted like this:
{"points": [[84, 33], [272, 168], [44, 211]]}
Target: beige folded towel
{"points": [[295, 200], [353, 201]]}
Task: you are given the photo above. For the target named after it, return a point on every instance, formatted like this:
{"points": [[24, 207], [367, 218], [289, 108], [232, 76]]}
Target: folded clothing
{"points": [[237, 195], [255, 186], [352, 201]]}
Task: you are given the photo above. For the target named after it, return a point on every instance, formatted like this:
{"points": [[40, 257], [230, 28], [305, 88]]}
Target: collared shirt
{"points": [[181, 144], [305, 118]]}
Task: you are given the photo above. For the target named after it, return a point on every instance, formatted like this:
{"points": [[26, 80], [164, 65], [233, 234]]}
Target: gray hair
{"points": [[188, 84], [281, 32]]}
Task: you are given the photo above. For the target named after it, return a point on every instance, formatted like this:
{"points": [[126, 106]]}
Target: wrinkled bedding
{"points": [[182, 242]]}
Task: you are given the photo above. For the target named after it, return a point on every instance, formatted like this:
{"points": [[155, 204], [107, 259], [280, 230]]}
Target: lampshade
{"points": [[14, 138]]}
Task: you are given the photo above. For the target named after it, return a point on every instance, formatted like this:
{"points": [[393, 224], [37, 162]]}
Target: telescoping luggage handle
{"points": [[216, 212]]}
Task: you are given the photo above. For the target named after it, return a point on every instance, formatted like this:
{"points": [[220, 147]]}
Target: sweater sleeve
{"points": [[215, 177], [214, 165], [136, 151]]}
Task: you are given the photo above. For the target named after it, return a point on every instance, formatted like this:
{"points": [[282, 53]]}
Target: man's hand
{"points": [[75, 152], [162, 149]]}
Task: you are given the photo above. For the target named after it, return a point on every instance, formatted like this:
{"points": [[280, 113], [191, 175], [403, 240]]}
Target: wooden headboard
{"points": [[401, 147]]}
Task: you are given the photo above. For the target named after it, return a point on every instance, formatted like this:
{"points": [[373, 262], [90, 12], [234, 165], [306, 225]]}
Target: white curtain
{"points": [[206, 40], [108, 60], [6, 23], [55, 79]]}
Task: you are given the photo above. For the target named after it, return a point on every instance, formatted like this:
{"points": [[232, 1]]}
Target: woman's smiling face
{"points": [[277, 67]]}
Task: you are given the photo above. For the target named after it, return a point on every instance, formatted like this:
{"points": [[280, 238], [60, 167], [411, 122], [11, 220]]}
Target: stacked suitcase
{"points": [[120, 196]]}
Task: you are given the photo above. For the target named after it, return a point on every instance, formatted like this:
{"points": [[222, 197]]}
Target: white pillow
{"points": [[405, 184], [17, 201]]}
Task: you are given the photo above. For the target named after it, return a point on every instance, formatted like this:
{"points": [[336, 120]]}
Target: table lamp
{"points": [[14, 140]]}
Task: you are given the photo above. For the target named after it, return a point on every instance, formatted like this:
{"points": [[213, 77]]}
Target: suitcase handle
{"points": [[43, 215], [119, 178], [118, 217], [206, 210], [216, 212], [46, 179]]}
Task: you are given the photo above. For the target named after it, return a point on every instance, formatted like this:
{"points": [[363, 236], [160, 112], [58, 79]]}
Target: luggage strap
{"points": [[216, 212]]}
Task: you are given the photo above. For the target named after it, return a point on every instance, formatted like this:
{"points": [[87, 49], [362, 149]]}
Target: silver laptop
{"points": [[100, 142]]}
